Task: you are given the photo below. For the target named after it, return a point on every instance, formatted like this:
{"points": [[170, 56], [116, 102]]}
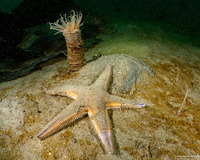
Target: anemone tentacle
{"points": [[68, 24]]}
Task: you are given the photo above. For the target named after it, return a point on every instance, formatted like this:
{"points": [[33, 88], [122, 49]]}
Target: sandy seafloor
{"points": [[154, 132]]}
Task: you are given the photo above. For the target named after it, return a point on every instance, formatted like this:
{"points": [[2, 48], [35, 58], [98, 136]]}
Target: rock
{"points": [[127, 70]]}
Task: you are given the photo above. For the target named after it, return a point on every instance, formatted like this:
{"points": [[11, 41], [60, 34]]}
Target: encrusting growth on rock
{"points": [[69, 26]]}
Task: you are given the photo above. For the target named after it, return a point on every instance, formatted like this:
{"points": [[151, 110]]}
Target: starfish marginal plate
{"points": [[93, 100]]}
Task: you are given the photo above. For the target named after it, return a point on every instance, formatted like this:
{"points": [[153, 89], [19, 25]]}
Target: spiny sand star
{"points": [[93, 100]]}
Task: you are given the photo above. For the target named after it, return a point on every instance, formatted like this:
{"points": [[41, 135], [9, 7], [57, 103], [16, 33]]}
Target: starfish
{"points": [[93, 100]]}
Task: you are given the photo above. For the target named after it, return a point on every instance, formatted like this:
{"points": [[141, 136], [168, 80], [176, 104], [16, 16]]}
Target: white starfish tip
{"points": [[141, 105]]}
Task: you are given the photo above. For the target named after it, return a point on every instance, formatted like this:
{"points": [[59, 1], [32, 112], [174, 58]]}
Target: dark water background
{"points": [[182, 13]]}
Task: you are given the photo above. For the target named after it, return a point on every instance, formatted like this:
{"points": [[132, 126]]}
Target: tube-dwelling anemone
{"points": [[69, 26]]}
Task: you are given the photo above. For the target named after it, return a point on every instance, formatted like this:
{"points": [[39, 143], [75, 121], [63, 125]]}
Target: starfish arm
{"points": [[101, 124], [67, 116], [104, 79], [70, 91], [120, 103]]}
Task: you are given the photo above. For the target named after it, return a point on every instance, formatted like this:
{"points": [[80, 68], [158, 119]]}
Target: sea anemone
{"points": [[69, 26]]}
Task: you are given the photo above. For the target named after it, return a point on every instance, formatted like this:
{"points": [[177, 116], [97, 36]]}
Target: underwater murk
{"points": [[150, 69]]}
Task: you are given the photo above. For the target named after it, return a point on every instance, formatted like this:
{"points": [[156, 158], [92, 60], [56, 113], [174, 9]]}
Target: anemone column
{"points": [[75, 52], [70, 29]]}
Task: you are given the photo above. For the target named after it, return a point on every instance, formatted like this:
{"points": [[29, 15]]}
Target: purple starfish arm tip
{"points": [[105, 136], [141, 105]]}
